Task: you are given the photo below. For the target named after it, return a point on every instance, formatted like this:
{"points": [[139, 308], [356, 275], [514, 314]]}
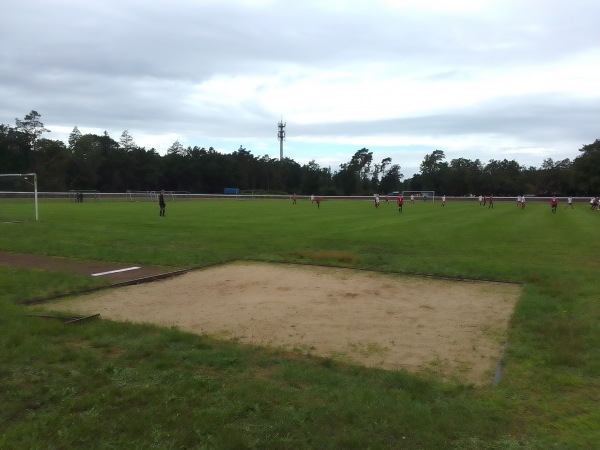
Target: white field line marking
{"points": [[99, 274]]}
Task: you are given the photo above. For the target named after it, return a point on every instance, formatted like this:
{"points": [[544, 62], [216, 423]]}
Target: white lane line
{"points": [[99, 274]]}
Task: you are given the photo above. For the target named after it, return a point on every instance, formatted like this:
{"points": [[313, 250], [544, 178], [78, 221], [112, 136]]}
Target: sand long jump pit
{"points": [[454, 329]]}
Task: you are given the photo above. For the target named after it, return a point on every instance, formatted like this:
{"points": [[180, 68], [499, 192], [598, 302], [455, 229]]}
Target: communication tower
{"points": [[281, 137]]}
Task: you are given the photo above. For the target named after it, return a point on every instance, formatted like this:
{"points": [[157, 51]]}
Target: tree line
{"points": [[92, 161]]}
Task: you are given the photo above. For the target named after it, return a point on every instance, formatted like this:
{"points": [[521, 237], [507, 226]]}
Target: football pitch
{"points": [[129, 382]]}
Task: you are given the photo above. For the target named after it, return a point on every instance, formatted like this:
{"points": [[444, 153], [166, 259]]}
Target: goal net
{"points": [[422, 196], [18, 197]]}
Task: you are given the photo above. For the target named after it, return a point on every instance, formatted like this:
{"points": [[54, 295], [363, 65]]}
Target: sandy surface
{"points": [[455, 329]]}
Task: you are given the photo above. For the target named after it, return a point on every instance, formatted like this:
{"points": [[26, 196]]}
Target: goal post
{"points": [[423, 196], [16, 194]]}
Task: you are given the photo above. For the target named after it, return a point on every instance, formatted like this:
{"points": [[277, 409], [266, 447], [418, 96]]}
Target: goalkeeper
{"points": [[161, 202]]}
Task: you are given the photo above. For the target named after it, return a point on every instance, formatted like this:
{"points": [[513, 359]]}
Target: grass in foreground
{"points": [[107, 385]]}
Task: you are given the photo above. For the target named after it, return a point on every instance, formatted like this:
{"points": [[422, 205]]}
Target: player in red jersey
{"points": [[400, 202], [554, 204]]}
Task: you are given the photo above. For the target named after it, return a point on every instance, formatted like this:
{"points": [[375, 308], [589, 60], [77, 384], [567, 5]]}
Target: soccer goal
{"points": [[149, 196], [18, 197], [168, 195], [141, 196], [78, 195], [422, 196]]}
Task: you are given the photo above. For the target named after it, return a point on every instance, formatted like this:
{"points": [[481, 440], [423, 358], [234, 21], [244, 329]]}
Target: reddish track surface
{"points": [[82, 267]]}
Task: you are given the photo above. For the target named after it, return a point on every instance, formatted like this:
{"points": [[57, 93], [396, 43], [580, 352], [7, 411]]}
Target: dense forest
{"points": [[90, 161]]}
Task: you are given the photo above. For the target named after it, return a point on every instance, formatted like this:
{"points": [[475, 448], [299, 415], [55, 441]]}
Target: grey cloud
{"points": [[130, 65], [194, 40], [536, 119]]}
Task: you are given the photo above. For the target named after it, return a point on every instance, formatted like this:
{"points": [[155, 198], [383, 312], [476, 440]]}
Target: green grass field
{"points": [[116, 385]]}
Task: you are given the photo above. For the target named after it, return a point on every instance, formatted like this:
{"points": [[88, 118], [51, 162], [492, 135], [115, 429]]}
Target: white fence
{"points": [[152, 196]]}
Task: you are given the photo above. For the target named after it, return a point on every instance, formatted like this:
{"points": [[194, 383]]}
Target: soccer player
{"points": [[569, 202], [443, 201], [376, 200], [400, 203], [318, 200], [491, 199], [554, 204], [293, 199], [518, 201], [161, 202], [412, 199], [522, 201], [480, 200]]}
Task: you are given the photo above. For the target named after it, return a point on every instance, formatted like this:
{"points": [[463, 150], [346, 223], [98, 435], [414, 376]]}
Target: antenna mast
{"points": [[281, 137]]}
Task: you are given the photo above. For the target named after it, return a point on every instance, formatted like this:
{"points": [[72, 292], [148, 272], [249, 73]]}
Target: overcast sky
{"points": [[477, 79]]}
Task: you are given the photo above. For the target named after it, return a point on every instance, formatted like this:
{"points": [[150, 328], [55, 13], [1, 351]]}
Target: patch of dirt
{"points": [[455, 329], [101, 269]]}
